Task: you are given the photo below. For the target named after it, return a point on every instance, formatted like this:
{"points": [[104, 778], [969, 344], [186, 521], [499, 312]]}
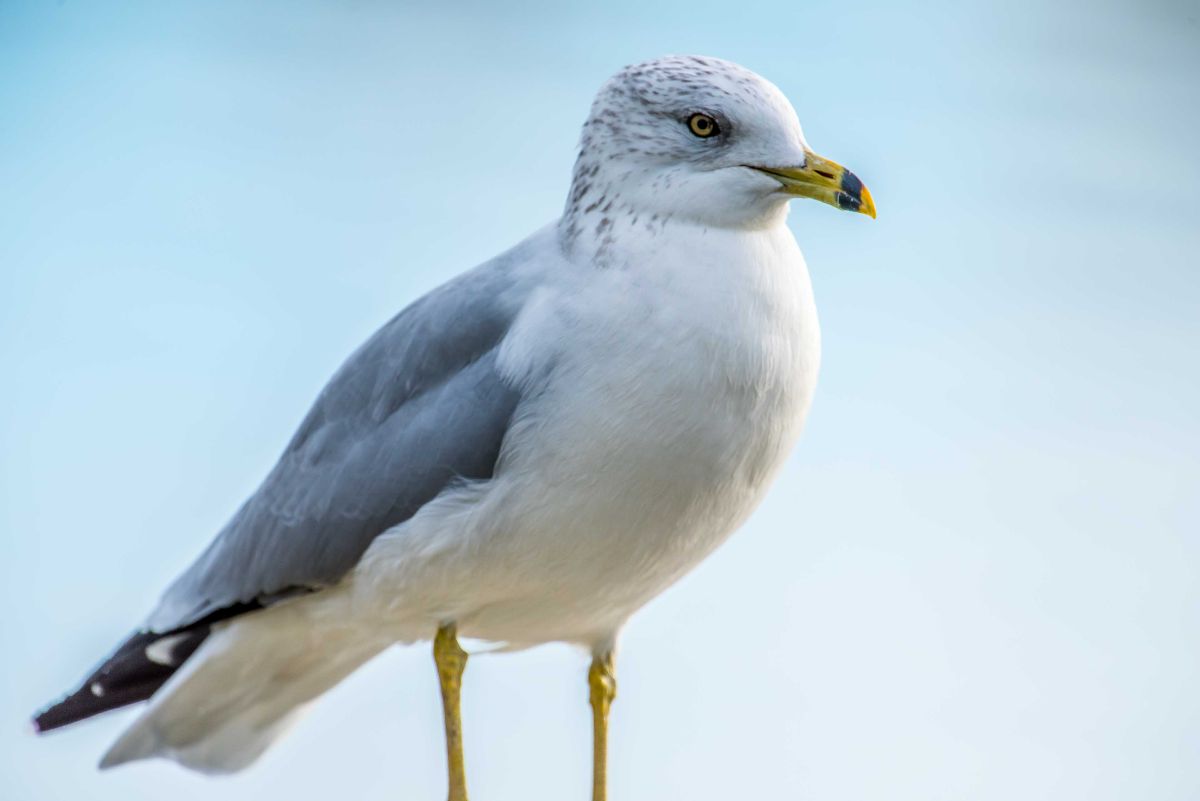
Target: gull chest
{"points": [[684, 391]]}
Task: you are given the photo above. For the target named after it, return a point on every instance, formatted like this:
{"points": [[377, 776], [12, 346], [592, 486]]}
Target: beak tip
{"points": [[868, 204]]}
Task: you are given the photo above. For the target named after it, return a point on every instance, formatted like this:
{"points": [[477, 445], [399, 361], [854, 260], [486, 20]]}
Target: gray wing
{"points": [[419, 406]]}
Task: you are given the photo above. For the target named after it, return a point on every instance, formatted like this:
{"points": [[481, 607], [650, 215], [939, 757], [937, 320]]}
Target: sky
{"points": [[977, 576]]}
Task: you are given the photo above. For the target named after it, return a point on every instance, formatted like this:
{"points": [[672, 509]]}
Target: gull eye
{"points": [[703, 126]]}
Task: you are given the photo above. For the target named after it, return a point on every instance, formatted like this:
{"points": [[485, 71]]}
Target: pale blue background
{"points": [[977, 578]]}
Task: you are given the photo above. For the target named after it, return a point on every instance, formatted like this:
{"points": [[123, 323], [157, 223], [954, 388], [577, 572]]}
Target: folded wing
{"points": [[420, 405]]}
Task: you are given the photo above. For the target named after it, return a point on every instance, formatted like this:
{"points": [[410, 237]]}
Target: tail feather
{"points": [[224, 688], [135, 671], [249, 680]]}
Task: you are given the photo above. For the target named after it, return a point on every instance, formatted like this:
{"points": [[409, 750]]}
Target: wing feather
{"points": [[420, 405]]}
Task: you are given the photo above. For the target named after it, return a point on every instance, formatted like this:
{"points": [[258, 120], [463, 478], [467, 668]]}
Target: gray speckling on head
{"points": [[639, 162]]}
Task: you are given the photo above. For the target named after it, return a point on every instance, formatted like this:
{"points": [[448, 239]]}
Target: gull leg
{"points": [[451, 660], [602, 681]]}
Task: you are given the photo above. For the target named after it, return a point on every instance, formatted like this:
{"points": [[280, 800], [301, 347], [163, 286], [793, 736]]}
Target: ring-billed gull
{"points": [[527, 454]]}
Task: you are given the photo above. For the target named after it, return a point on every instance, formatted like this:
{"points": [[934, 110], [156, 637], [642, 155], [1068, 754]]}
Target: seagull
{"points": [[527, 454]]}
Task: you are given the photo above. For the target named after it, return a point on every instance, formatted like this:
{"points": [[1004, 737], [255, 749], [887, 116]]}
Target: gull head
{"points": [[703, 140]]}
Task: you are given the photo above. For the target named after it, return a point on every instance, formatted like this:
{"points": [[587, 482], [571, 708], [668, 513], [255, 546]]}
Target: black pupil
{"points": [[701, 124]]}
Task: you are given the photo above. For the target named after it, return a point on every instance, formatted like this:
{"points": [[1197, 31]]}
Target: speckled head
{"points": [[701, 139]]}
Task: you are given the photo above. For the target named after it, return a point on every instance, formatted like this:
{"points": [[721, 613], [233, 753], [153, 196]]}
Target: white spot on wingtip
{"points": [[97, 689], [160, 651]]}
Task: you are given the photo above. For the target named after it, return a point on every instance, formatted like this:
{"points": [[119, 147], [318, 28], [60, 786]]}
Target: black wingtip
{"points": [[141, 665], [133, 673]]}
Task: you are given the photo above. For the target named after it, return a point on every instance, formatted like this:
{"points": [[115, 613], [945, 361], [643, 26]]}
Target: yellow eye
{"points": [[703, 125]]}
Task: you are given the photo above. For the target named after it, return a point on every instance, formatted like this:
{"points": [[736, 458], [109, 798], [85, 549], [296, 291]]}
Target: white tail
{"points": [[245, 685]]}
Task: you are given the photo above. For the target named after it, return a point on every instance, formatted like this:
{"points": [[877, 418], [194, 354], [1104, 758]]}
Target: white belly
{"points": [[642, 446]]}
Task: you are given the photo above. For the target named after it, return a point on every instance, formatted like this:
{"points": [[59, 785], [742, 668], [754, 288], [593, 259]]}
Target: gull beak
{"points": [[824, 180]]}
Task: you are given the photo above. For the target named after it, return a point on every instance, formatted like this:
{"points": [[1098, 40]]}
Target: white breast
{"points": [[662, 396]]}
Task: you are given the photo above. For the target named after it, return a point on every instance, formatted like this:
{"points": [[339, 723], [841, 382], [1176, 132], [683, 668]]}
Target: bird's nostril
{"points": [[824, 174]]}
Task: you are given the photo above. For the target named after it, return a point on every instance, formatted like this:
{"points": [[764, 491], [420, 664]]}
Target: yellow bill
{"points": [[825, 181]]}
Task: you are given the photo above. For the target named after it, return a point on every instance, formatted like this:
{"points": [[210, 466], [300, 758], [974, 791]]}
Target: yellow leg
{"points": [[602, 681], [451, 660]]}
